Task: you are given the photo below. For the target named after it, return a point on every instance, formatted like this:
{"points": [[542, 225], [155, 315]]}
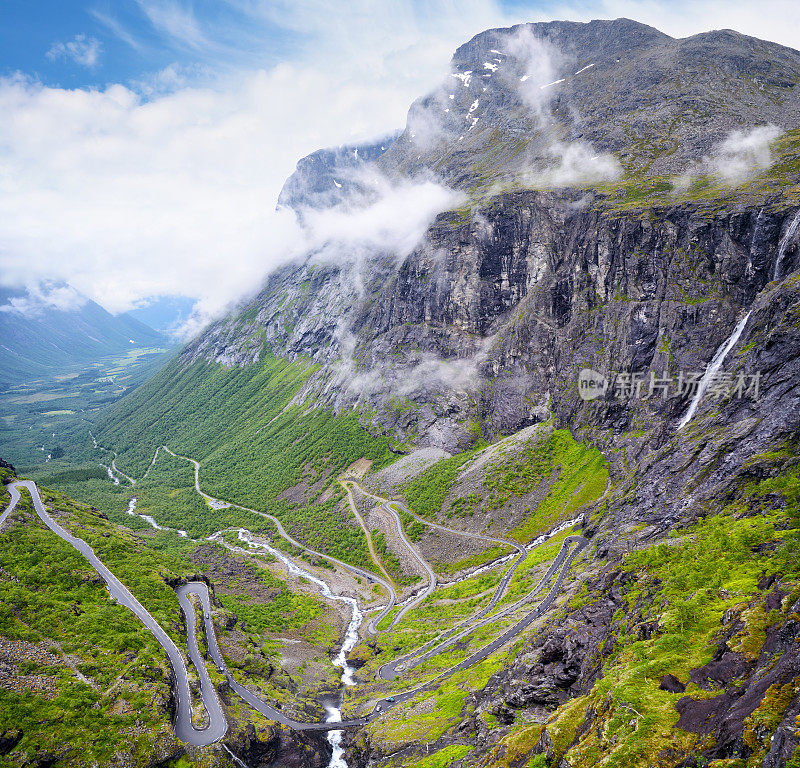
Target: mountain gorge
{"points": [[622, 203]]}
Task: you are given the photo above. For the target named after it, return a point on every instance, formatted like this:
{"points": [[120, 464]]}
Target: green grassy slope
{"points": [[715, 581], [255, 447], [53, 606], [239, 424], [82, 682], [573, 475]]}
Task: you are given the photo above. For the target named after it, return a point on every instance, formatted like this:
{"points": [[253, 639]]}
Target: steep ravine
{"points": [[530, 291]]}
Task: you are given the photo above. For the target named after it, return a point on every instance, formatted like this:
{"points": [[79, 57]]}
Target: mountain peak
{"points": [[600, 37]]}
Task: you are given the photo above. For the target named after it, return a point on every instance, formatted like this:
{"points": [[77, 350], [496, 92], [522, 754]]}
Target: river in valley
{"points": [[351, 639]]}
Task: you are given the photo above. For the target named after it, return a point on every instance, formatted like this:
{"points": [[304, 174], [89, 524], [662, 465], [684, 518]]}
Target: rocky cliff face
{"points": [[491, 317], [324, 177]]}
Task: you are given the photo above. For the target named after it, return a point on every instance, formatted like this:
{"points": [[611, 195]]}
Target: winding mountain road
{"points": [[432, 580], [501, 587], [563, 561], [217, 724], [392, 508], [184, 729], [372, 627], [431, 576], [440, 643], [370, 544], [390, 670]]}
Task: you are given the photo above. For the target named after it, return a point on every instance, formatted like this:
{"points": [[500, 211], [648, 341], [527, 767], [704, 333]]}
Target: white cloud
{"points": [[176, 20], [117, 29], [81, 49], [43, 296], [575, 163], [427, 375], [169, 186], [740, 155], [540, 62], [174, 193], [392, 218], [435, 373], [743, 153]]}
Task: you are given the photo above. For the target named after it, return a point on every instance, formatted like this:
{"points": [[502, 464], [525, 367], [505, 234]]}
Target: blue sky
{"points": [[143, 143], [53, 40], [80, 44], [158, 45]]}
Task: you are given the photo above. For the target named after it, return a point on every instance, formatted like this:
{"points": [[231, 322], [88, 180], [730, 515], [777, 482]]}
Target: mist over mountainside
{"points": [[491, 317], [539, 105], [561, 307], [166, 314]]}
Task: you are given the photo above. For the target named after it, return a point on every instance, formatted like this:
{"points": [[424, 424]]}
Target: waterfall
{"points": [[713, 367], [791, 230], [235, 759]]}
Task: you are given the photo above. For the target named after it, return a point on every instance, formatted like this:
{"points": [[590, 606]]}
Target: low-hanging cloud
{"points": [[391, 217], [43, 296], [739, 156], [434, 373], [424, 377], [168, 186], [383, 218], [743, 153], [573, 164], [538, 61]]}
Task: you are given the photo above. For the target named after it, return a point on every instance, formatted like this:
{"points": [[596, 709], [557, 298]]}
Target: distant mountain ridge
{"points": [[37, 339]]}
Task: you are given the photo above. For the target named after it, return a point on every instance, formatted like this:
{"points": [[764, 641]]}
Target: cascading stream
{"points": [[150, 520], [783, 245], [711, 370], [335, 713], [350, 639]]}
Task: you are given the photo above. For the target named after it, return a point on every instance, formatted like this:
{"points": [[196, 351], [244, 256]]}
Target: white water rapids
{"points": [[350, 638], [151, 521], [111, 474]]}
